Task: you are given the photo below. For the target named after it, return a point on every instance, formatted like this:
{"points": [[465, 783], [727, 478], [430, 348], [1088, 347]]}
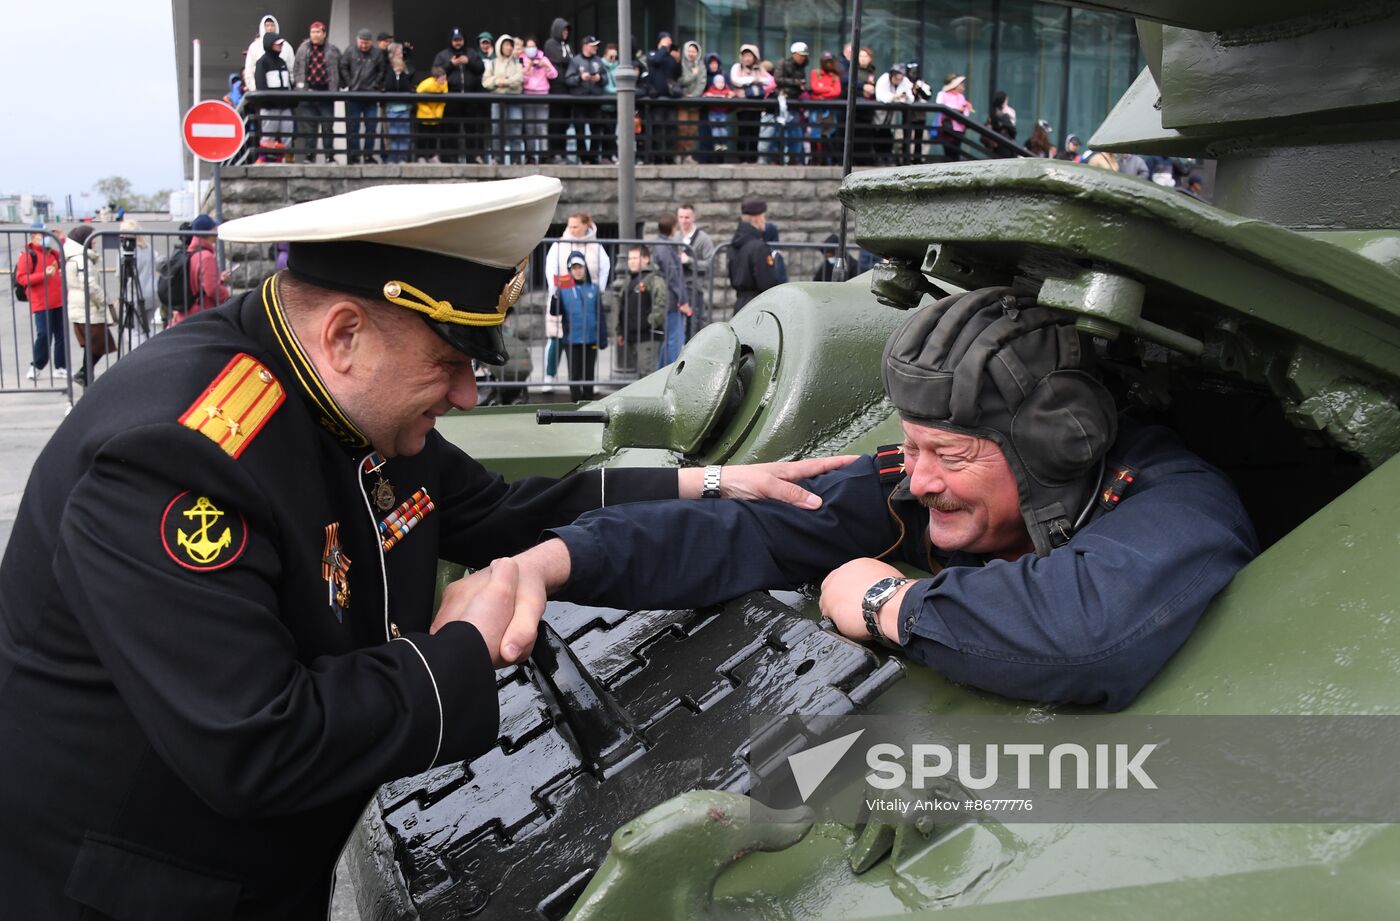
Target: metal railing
{"points": [[707, 290], [130, 294], [303, 126], [35, 346]]}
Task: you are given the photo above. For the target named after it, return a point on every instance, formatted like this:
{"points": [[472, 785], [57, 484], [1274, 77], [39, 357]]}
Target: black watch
{"points": [[875, 598]]}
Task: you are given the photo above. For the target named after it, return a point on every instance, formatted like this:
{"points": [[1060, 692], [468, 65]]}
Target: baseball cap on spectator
{"points": [[318, 24], [485, 37], [753, 205], [366, 34], [590, 40], [203, 222], [576, 258], [1042, 123], [662, 35], [456, 34], [798, 48], [828, 56], [384, 37]]}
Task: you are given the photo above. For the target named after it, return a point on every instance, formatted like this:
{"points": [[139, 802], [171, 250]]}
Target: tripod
{"points": [[131, 303]]}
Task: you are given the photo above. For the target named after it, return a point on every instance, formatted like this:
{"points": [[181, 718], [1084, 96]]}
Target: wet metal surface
{"points": [[625, 711]]}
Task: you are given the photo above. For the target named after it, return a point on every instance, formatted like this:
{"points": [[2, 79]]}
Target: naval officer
{"points": [[217, 628]]}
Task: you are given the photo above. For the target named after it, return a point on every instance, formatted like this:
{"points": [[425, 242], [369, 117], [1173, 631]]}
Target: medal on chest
{"points": [[405, 518], [335, 569], [381, 493]]}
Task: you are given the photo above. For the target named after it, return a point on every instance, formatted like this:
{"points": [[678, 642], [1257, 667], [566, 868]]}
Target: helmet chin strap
{"points": [[1078, 522]]}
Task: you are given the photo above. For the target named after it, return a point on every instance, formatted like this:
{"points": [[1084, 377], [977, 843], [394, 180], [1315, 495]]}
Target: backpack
{"points": [[22, 292], [173, 283]]}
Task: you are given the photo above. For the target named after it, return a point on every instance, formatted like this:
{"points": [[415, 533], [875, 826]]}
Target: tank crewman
{"points": [[217, 630], [1072, 551], [752, 265]]}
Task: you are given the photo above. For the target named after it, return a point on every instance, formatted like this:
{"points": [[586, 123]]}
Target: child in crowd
{"points": [[580, 306], [430, 113], [398, 115], [714, 134], [639, 299]]}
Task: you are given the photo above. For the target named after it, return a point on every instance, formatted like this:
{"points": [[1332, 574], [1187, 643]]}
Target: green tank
{"points": [[1265, 329]]}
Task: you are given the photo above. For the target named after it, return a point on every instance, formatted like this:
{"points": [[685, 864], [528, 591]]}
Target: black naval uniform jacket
{"points": [[207, 661]]}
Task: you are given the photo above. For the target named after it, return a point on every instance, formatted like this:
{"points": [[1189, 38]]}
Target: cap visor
{"points": [[484, 343]]}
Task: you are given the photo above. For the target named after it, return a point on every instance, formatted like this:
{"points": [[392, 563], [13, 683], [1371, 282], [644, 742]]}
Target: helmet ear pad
{"points": [[1064, 427]]}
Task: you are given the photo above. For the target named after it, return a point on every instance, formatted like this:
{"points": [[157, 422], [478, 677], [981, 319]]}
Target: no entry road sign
{"points": [[213, 131]]}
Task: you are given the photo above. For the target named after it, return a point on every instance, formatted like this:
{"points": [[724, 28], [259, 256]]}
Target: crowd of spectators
{"points": [[554, 103]]}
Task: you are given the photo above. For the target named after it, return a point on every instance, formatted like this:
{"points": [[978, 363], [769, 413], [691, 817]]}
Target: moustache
{"points": [[941, 502]]}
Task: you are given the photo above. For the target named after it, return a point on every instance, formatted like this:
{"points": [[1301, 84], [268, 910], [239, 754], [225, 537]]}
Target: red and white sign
{"points": [[213, 131]]}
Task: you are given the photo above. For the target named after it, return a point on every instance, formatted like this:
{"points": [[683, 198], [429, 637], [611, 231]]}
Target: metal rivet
{"points": [[265, 375]]}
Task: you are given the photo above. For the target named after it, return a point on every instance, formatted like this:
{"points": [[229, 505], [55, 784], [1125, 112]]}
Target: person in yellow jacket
{"points": [[430, 114]]}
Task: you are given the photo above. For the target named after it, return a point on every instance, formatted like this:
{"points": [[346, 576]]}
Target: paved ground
{"points": [[26, 422]]}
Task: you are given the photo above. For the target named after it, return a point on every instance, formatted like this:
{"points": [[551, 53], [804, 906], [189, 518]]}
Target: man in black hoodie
{"points": [[464, 68], [752, 268], [662, 76], [557, 49], [275, 124]]}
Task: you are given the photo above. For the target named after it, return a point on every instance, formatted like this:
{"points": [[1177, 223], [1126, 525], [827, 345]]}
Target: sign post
{"points": [[213, 132]]}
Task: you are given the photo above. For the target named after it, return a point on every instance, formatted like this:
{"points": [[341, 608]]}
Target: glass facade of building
{"points": [[1068, 66]]}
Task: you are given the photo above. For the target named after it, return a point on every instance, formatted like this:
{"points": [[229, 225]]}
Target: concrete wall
{"points": [[801, 200]]}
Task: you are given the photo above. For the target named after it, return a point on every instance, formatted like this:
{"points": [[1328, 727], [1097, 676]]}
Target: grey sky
{"points": [[89, 92]]}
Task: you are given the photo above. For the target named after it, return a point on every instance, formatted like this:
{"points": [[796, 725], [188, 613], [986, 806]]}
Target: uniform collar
{"points": [[272, 327]]}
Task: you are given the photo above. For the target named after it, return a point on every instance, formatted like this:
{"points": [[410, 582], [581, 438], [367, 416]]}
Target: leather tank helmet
{"points": [[993, 363]]}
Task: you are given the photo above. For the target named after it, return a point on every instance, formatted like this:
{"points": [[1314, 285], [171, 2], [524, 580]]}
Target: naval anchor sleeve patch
{"points": [[200, 535]]}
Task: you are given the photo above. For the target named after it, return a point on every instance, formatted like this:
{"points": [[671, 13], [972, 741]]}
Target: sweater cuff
{"points": [[457, 704], [586, 559]]}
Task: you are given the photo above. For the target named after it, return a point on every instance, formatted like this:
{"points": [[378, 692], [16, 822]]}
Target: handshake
{"points": [[505, 601]]}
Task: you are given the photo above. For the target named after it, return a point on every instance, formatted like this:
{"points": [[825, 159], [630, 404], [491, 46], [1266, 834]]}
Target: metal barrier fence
{"points": [[535, 349], [521, 128], [36, 343], [130, 288]]}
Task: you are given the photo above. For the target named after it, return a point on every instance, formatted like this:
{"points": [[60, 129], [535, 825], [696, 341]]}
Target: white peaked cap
{"points": [[452, 252], [493, 223]]}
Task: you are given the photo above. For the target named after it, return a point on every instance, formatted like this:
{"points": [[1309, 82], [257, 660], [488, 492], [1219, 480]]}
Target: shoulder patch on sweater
{"points": [[236, 404], [889, 460]]}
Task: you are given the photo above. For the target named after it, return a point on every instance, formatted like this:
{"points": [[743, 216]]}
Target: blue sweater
{"points": [[582, 309], [1091, 623]]}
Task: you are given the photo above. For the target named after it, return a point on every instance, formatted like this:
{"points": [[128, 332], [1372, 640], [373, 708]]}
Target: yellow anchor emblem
{"points": [[200, 547]]}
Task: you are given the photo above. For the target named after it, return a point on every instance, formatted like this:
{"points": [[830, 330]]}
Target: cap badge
{"points": [[392, 289], [513, 289]]}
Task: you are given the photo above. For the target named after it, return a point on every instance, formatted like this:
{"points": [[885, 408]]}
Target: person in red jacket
{"points": [[208, 286], [825, 83], [39, 269]]}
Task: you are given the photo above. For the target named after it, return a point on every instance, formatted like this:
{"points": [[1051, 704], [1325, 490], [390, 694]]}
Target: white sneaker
{"points": [[33, 374], [60, 374], [549, 382]]}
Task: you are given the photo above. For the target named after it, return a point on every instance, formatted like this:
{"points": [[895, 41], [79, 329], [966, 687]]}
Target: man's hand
{"points": [[685, 309], [619, 342], [532, 576], [844, 590], [765, 481], [487, 600]]}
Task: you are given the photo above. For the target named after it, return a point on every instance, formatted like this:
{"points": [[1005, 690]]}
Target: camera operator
{"points": [[916, 121], [140, 314]]}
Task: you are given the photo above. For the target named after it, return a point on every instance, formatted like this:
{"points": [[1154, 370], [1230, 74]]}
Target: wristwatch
{"points": [[710, 487], [875, 597]]}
